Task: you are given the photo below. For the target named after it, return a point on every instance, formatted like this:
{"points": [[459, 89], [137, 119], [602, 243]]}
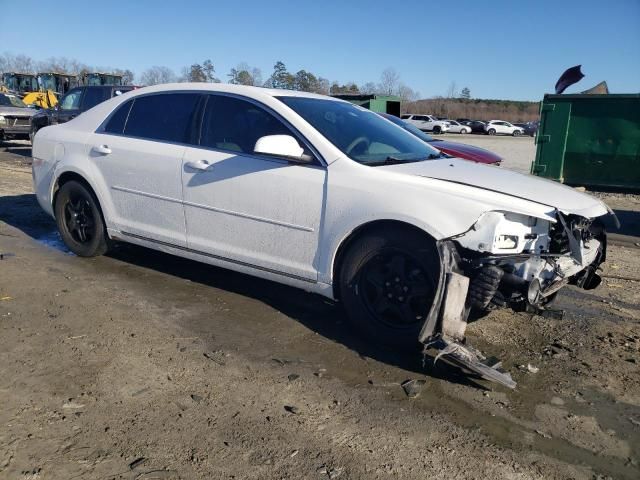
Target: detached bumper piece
{"points": [[446, 323], [468, 357]]}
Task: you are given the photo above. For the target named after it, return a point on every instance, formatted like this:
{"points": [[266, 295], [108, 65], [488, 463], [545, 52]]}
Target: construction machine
{"points": [[26, 86], [99, 78], [20, 83]]}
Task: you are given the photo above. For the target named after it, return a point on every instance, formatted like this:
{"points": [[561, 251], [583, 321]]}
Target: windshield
{"points": [[11, 101], [360, 134]]}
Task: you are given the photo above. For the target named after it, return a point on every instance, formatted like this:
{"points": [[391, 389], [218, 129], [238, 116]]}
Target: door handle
{"points": [[202, 165], [102, 149]]}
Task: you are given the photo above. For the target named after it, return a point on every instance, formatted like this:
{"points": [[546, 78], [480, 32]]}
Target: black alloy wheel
{"points": [[387, 282], [80, 220]]}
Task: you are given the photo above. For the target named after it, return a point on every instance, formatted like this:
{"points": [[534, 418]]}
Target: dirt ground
{"points": [[141, 365]]}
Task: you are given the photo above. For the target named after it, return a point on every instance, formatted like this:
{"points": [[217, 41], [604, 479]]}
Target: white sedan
{"points": [[457, 127], [320, 194]]}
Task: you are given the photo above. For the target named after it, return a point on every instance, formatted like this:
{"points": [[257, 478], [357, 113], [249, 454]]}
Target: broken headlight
{"points": [[506, 232]]}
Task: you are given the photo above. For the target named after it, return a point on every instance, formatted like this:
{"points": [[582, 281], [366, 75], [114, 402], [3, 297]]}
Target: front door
{"points": [[68, 107], [251, 209]]}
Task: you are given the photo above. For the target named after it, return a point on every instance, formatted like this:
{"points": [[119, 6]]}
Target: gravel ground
{"points": [[140, 365]]}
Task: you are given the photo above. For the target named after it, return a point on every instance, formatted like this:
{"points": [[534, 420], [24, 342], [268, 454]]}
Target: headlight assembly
{"points": [[506, 232], [3, 121]]}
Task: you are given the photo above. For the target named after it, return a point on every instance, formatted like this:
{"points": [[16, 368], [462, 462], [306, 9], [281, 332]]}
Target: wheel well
{"points": [[69, 176], [360, 232]]}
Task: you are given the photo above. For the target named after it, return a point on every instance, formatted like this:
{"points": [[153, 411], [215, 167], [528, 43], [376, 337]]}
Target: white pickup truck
{"points": [[426, 123]]}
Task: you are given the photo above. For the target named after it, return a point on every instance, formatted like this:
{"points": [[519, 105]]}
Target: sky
{"points": [[498, 49]]}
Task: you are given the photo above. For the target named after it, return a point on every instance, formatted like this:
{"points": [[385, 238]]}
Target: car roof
{"points": [[230, 88]]}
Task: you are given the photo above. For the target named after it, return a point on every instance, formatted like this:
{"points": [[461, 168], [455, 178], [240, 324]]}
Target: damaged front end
{"points": [[508, 260]]}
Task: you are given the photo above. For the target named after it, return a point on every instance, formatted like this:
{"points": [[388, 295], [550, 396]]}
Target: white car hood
{"points": [[506, 182]]}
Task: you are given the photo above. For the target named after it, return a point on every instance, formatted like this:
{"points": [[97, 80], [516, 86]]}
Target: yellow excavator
{"points": [[26, 86], [52, 86]]}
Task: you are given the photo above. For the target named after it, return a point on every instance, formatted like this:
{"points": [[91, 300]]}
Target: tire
{"points": [[437, 130], [516, 133], [387, 285], [462, 131], [491, 131], [80, 220]]}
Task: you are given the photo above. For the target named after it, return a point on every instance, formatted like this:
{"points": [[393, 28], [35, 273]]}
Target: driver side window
{"points": [[71, 101], [234, 124]]}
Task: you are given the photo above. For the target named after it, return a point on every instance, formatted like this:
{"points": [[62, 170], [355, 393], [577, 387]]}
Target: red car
{"points": [[459, 150]]}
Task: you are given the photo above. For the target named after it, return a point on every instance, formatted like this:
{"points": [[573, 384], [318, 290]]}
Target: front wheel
{"points": [[437, 130], [387, 285], [80, 221], [516, 133]]}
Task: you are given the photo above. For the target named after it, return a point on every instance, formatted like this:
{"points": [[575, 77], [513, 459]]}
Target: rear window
{"points": [[94, 96], [167, 117]]}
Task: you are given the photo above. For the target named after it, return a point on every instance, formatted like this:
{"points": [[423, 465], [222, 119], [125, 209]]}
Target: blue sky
{"points": [[499, 49]]}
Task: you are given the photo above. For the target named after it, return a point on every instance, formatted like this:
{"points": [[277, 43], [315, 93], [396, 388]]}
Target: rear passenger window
{"points": [[168, 117], [118, 119], [94, 96], [233, 124]]}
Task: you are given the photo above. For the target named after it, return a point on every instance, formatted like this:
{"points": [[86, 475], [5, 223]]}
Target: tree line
{"points": [[390, 82]]}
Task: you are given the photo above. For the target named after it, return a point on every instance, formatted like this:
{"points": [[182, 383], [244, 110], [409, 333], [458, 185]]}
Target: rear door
{"points": [[139, 154]]}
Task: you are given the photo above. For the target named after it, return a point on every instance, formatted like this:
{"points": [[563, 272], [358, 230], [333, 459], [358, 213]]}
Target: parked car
{"points": [[14, 117], [500, 127], [530, 128], [454, 149], [463, 120], [76, 101], [320, 194], [427, 123], [457, 127], [477, 126]]}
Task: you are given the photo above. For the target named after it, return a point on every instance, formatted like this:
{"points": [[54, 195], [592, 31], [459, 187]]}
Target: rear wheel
{"points": [[491, 131], [80, 221], [387, 284]]}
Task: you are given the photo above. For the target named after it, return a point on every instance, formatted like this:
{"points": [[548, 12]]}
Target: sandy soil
{"points": [[141, 365]]}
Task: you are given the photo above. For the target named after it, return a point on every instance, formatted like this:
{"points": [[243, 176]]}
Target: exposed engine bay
{"points": [[509, 260]]}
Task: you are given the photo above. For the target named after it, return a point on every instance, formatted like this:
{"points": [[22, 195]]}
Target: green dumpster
{"points": [[591, 140], [374, 102]]}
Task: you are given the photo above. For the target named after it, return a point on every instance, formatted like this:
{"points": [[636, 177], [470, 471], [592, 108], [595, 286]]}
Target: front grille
{"points": [[14, 121]]}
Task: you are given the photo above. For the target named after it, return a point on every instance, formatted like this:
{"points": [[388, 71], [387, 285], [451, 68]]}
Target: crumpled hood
{"points": [[507, 182], [17, 111]]}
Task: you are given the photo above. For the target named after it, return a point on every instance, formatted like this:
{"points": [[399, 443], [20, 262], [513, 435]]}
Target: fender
{"points": [[333, 240], [105, 205]]}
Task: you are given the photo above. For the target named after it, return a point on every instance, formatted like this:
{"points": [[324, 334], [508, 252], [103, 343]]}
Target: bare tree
{"points": [[452, 91], [465, 93], [17, 63], [389, 81], [156, 75], [406, 93], [369, 88]]}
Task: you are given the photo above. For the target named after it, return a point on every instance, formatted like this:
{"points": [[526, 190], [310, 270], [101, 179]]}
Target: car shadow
{"points": [[17, 148], [316, 313]]}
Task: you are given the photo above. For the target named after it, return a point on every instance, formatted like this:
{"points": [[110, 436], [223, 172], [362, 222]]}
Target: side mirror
{"points": [[284, 146]]}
